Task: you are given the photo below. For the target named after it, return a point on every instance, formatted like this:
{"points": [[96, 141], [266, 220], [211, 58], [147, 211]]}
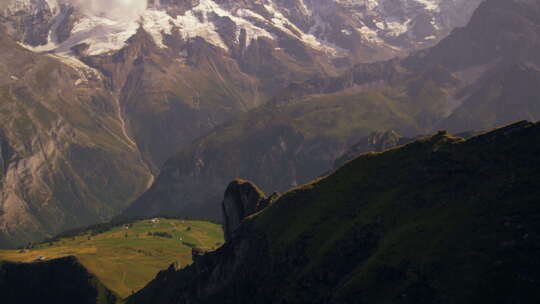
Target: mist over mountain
{"points": [[120, 10]]}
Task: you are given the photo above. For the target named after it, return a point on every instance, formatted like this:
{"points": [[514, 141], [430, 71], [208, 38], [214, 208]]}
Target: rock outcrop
{"points": [[242, 199], [375, 142]]}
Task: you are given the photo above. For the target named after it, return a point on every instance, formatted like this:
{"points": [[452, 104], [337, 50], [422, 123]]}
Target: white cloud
{"points": [[119, 10]]}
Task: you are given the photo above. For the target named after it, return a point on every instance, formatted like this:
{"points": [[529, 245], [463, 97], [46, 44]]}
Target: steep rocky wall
{"points": [[242, 199], [66, 161]]}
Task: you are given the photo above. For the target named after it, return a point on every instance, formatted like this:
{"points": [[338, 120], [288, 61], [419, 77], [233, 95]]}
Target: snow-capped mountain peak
{"points": [[337, 28]]}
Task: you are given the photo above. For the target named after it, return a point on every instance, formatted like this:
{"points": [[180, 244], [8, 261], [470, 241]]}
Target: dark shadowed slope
{"points": [[63, 280], [440, 220], [275, 146]]}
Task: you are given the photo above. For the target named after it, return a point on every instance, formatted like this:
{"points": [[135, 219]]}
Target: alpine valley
{"points": [[269, 151], [479, 77], [97, 95]]}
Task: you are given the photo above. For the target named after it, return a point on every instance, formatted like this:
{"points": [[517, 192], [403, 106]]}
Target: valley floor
{"points": [[126, 258]]}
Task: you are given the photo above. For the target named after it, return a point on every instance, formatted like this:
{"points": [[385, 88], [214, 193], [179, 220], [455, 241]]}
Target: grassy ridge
{"points": [[441, 220], [124, 260]]}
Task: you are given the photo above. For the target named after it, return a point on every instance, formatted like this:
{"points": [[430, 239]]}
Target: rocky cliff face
{"points": [[382, 141], [353, 237], [375, 142], [33, 27], [169, 100], [66, 160], [242, 199], [6, 155]]}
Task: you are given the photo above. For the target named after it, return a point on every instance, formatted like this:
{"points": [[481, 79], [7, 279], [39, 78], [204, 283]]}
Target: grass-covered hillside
{"points": [[127, 257], [440, 220], [481, 76], [277, 146]]}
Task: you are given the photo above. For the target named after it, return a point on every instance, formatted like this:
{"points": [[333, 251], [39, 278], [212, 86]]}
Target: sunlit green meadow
{"points": [[127, 257]]}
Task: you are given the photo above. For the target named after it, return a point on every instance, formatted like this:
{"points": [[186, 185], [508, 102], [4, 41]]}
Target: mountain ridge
{"points": [[391, 227], [470, 81]]}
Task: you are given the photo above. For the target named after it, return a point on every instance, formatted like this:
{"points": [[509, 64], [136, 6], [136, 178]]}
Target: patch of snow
{"points": [[318, 26], [245, 13], [197, 23], [397, 28], [430, 5], [306, 10], [285, 25], [191, 26], [100, 33], [369, 34], [106, 31], [42, 48], [156, 23], [85, 72], [434, 24], [54, 6]]}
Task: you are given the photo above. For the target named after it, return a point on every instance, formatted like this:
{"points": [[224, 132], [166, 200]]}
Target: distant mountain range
{"points": [[135, 109], [109, 90], [481, 76], [100, 99], [397, 226], [364, 29]]}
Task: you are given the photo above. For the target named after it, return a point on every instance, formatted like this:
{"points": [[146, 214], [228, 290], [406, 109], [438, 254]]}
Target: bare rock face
{"points": [[376, 142], [32, 27], [65, 158], [6, 153], [242, 198]]}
